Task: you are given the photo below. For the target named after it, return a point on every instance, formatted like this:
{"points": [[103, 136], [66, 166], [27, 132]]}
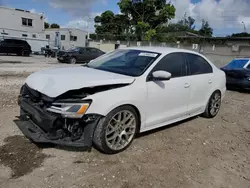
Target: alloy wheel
{"points": [[215, 104], [120, 130]]}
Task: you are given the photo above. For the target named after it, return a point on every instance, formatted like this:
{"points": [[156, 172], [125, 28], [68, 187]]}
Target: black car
{"points": [[238, 74], [15, 46], [79, 55]]}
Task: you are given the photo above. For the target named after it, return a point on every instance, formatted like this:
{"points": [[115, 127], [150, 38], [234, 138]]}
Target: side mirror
{"points": [[161, 75]]}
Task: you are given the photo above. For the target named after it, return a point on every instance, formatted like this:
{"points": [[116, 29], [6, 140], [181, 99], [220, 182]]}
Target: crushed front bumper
{"points": [[34, 124]]}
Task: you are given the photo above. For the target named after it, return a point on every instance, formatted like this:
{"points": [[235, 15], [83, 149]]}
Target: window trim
{"points": [[184, 73], [188, 64], [27, 22], [73, 38], [64, 37]]}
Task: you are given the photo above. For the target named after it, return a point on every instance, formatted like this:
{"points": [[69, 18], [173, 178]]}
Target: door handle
{"points": [[187, 85], [209, 81]]}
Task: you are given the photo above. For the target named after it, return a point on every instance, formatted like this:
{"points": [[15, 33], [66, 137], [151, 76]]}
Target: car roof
{"points": [[163, 50]]}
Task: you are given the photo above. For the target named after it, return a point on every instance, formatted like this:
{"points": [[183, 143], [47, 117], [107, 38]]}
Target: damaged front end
{"points": [[60, 120]]}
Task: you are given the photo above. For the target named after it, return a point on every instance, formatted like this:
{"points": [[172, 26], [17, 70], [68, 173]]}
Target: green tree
{"points": [[206, 30], [111, 26], [189, 22], [46, 25], [240, 34], [54, 25], [146, 15]]}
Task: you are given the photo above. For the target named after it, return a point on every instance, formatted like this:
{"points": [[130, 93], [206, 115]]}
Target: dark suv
{"points": [[15, 46]]}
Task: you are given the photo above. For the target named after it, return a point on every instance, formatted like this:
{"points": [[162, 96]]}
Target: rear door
{"points": [[200, 74], [18, 46]]}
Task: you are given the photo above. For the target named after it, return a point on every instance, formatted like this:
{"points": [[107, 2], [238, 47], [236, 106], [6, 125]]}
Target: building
{"points": [[21, 23], [65, 38]]}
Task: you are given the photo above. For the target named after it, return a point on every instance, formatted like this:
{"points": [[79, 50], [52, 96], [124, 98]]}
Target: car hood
{"points": [[57, 81]]}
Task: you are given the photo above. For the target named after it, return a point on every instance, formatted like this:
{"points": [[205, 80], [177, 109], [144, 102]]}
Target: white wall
{"points": [[11, 22], [67, 43]]}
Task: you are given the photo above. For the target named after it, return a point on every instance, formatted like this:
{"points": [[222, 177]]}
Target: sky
{"points": [[225, 16]]}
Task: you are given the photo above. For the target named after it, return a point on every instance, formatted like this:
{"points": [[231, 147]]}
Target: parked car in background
{"points": [[114, 97], [15, 46], [238, 74], [79, 55]]}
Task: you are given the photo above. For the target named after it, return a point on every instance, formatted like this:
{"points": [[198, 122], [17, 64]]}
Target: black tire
{"points": [[207, 113], [100, 131], [72, 60], [60, 61], [24, 53]]}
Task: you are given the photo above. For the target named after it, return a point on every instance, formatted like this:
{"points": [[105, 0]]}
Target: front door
{"points": [[167, 100]]}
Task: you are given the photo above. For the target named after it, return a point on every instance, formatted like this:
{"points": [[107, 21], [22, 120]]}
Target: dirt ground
{"points": [[202, 153]]}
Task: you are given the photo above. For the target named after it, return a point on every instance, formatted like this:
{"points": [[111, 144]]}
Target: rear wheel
{"points": [[213, 105], [72, 60], [117, 131], [24, 53]]}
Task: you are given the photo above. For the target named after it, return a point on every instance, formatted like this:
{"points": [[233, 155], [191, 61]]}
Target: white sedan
{"points": [[114, 97]]}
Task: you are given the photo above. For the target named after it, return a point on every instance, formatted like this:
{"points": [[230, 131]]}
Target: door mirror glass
{"points": [[161, 75]]}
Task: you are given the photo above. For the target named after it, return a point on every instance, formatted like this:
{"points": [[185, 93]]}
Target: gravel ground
{"points": [[195, 153]]}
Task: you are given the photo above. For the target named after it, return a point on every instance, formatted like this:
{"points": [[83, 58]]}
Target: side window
{"points": [[87, 50], [248, 67], [93, 50], [198, 65], [173, 63], [81, 50], [9, 41]]}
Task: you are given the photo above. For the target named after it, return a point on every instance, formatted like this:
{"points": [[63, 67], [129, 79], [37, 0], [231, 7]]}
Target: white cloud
{"points": [[33, 10], [222, 14], [85, 23], [76, 8]]}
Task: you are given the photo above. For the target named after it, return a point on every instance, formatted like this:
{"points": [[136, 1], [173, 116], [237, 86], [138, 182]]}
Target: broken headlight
{"points": [[70, 109]]}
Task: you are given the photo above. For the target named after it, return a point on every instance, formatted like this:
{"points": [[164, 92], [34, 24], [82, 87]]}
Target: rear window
{"points": [[237, 63]]}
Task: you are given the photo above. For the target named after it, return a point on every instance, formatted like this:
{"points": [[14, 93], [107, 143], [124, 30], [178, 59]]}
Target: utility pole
{"points": [[244, 27], [88, 25]]}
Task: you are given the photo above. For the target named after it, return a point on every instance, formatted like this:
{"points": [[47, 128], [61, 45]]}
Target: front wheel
{"points": [[213, 105], [117, 131]]}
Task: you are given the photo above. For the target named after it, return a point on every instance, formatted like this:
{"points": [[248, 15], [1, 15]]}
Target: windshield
{"points": [[237, 63], [124, 61], [74, 49]]}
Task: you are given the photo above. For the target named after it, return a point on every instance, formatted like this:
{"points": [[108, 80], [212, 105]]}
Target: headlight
{"points": [[69, 110]]}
